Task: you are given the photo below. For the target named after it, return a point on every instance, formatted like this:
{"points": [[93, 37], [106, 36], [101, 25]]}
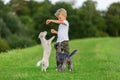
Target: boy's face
{"points": [[61, 17]]}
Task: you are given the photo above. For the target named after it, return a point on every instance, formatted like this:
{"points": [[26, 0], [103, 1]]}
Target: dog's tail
{"points": [[73, 53], [38, 63]]}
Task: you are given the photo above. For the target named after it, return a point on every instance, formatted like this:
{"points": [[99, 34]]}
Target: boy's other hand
{"points": [[48, 21], [53, 31]]}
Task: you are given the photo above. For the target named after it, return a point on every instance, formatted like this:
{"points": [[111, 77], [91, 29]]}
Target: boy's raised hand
{"points": [[48, 21]]}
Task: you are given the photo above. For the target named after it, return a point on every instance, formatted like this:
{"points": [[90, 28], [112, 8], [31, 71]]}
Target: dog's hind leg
{"points": [[44, 66], [70, 65], [44, 69]]}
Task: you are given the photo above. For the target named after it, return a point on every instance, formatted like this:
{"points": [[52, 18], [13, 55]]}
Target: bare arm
{"points": [[54, 21]]}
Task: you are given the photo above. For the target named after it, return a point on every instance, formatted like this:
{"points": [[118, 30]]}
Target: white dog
{"points": [[46, 44]]}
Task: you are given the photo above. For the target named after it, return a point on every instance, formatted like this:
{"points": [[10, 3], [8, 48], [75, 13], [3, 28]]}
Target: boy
{"points": [[63, 29]]}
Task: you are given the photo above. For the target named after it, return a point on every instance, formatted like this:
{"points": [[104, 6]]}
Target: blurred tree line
{"points": [[22, 20]]}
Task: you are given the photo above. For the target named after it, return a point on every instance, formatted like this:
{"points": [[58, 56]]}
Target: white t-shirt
{"points": [[63, 32]]}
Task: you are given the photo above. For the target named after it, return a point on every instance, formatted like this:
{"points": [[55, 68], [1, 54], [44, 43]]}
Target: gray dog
{"points": [[63, 58]]}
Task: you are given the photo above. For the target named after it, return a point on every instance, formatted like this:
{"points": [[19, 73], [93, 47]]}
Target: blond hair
{"points": [[61, 11]]}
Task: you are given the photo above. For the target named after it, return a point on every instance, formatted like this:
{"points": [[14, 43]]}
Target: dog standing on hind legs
{"points": [[46, 44]]}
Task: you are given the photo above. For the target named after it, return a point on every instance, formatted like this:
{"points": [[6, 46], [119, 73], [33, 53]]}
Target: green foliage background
{"points": [[22, 20]]}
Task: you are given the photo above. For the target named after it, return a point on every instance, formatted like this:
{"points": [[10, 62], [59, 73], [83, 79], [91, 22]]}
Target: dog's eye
{"points": [[55, 46]]}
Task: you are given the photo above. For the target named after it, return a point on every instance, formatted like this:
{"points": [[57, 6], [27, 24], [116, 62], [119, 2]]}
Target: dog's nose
{"points": [[45, 32]]}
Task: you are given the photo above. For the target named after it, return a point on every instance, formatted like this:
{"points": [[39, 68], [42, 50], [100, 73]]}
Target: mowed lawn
{"points": [[96, 59]]}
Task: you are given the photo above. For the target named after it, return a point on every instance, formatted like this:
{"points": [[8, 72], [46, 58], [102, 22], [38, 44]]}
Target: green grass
{"points": [[97, 59]]}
